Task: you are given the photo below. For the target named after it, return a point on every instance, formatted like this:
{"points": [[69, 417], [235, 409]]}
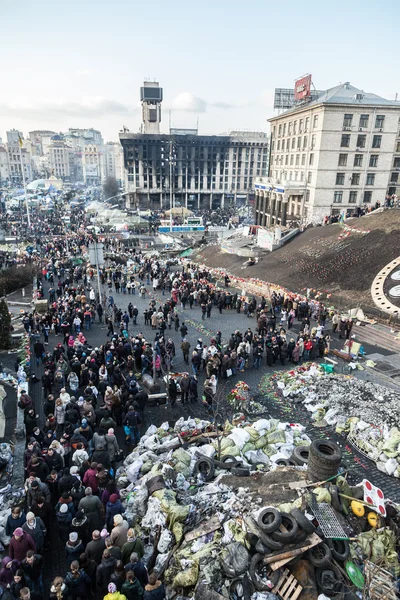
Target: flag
{"points": [[20, 142]]}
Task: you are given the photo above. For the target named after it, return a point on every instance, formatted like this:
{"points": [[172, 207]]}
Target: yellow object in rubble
{"points": [[357, 508], [373, 519]]}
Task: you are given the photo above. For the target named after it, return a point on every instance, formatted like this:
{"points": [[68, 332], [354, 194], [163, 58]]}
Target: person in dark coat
{"points": [[138, 568], [80, 525], [32, 565], [77, 582], [103, 573], [154, 590], [96, 547], [64, 521], [73, 548], [101, 456], [114, 507], [16, 519]]}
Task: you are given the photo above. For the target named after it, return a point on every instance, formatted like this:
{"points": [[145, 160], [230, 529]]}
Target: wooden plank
{"points": [[313, 540], [206, 527], [292, 587], [297, 593]]}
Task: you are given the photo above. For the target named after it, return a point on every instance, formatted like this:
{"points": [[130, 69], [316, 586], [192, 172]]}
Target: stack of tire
{"points": [[328, 577], [323, 460], [276, 530]]}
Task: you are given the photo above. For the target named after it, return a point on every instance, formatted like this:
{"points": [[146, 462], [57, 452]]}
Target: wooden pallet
{"points": [[379, 582], [287, 588]]}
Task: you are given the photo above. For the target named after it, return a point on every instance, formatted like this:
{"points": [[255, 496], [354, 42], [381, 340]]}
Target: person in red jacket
{"points": [[90, 479], [20, 543]]}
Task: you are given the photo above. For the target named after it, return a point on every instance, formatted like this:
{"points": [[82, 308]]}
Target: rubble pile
{"points": [[367, 412], [220, 518]]}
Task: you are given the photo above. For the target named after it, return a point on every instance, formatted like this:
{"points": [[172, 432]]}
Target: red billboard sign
{"points": [[302, 87]]}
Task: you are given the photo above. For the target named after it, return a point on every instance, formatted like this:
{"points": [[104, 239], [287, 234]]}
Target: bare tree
{"points": [[110, 187]]}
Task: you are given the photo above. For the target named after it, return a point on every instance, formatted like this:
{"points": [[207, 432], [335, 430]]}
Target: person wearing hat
{"points": [[114, 507], [35, 489], [7, 571], [95, 547], [103, 573], [35, 527], [73, 548], [39, 467], [20, 543], [119, 534], [92, 507], [64, 521], [101, 456]]}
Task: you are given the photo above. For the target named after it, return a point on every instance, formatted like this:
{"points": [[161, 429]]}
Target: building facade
{"points": [[40, 141], [113, 162], [4, 169], [61, 157], [328, 155]]}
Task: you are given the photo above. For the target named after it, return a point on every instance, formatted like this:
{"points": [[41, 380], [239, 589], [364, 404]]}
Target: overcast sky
{"points": [[80, 63]]}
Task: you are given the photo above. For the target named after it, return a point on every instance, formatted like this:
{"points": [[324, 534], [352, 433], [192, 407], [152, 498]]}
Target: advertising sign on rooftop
{"points": [[302, 88]]}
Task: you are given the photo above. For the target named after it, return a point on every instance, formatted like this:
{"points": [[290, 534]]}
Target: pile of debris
{"points": [[367, 412], [221, 518]]}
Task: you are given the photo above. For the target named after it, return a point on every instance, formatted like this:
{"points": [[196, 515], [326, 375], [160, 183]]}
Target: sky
{"points": [[81, 63]]}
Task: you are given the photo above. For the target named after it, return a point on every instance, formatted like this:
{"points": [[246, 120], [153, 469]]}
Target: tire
{"points": [[320, 556], [270, 543], [326, 452], [340, 549], [261, 549], [162, 401], [152, 402], [269, 520], [329, 580], [227, 462], [302, 521], [320, 472], [300, 455], [336, 500], [286, 537], [240, 471], [205, 467], [301, 537], [259, 584], [282, 462]]}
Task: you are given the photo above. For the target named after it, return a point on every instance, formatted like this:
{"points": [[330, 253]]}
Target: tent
{"points": [[179, 211]]}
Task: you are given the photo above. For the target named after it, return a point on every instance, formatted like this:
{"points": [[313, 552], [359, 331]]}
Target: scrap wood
{"points": [[379, 582], [287, 587], [278, 559], [170, 554], [206, 527]]}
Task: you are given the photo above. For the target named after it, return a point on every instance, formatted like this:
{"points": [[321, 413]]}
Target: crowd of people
{"points": [[92, 393]]}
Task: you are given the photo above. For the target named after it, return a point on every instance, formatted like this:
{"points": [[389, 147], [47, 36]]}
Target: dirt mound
{"points": [[341, 261]]}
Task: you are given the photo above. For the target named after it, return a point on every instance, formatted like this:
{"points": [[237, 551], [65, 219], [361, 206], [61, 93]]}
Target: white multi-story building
{"points": [[19, 159], [61, 159], [4, 168], [40, 141], [333, 153], [92, 164], [113, 161]]}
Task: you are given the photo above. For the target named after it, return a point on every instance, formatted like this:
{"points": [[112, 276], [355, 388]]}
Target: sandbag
{"points": [[236, 558], [187, 577]]}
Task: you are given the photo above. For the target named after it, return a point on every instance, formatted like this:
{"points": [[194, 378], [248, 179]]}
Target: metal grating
{"points": [[327, 520]]}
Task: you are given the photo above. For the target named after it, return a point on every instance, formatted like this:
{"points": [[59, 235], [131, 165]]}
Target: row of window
{"points": [[304, 125], [291, 144], [355, 178], [361, 141], [364, 120], [352, 199], [292, 160], [358, 160]]}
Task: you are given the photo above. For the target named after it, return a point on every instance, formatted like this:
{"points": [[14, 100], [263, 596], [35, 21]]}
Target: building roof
{"points": [[345, 93]]}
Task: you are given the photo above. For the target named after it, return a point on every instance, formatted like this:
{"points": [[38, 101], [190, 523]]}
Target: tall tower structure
{"points": [[151, 95]]}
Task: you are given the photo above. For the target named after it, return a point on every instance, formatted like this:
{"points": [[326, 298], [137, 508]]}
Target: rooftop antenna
{"points": [[197, 124], [169, 120]]}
